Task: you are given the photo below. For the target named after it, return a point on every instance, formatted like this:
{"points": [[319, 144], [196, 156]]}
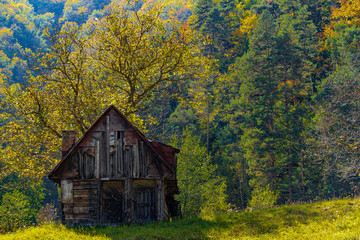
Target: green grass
{"points": [[336, 219]]}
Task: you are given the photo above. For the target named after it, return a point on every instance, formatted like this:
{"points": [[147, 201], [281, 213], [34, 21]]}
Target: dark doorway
{"points": [[112, 200], [145, 205]]}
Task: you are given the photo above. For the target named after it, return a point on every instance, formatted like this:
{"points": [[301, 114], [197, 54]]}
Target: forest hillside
{"points": [[261, 96]]}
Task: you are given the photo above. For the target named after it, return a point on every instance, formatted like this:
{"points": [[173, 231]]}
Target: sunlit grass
{"points": [[337, 219], [52, 232]]}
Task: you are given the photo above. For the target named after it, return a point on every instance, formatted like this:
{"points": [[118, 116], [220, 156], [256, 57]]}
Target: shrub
{"points": [[47, 214], [262, 198], [14, 211], [201, 190]]}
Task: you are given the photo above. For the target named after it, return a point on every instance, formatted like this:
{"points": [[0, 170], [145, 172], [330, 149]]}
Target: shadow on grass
{"points": [[185, 228], [240, 224]]}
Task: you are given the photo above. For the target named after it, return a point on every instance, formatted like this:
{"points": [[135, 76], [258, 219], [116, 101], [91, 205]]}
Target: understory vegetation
{"points": [[336, 219]]}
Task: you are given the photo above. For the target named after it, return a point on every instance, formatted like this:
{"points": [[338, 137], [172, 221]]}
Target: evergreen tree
{"points": [[201, 11], [217, 22], [259, 97], [209, 23], [274, 95]]}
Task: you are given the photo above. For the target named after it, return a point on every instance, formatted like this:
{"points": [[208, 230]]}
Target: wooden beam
{"points": [[115, 159], [108, 170], [136, 160], [97, 159]]}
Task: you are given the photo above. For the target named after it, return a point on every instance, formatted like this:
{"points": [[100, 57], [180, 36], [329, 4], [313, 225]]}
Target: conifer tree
{"points": [[275, 90]]}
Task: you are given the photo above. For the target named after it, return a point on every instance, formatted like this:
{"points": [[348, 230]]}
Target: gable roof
{"points": [[161, 155]]}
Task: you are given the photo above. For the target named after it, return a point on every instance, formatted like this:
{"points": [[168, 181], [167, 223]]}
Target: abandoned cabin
{"points": [[113, 174]]}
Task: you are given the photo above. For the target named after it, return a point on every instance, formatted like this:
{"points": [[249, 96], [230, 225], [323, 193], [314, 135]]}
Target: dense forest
{"points": [[261, 96]]}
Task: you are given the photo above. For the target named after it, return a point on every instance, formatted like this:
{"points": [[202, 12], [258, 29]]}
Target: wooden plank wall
{"points": [[141, 201], [143, 194], [86, 202], [67, 199], [114, 160]]}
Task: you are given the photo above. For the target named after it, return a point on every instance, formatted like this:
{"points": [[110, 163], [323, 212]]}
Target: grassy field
{"points": [[337, 219]]}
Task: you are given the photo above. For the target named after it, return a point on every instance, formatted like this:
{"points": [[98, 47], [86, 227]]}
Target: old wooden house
{"points": [[113, 174]]}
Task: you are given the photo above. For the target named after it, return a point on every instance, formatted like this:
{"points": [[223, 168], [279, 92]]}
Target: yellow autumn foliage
{"points": [[348, 13], [122, 59], [248, 23]]}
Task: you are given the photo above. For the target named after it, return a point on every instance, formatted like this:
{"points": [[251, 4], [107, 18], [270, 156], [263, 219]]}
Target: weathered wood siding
{"points": [[114, 151], [144, 198], [67, 200], [86, 201], [114, 175], [79, 199], [121, 161]]}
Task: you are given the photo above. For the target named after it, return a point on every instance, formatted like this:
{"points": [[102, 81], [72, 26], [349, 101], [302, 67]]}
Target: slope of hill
{"points": [[336, 219]]}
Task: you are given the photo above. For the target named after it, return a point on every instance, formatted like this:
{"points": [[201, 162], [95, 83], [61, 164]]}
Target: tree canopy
{"points": [[123, 59]]}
